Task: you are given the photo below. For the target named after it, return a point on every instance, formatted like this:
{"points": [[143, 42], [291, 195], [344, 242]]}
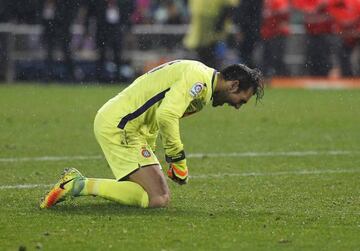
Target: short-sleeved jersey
{"points": [[156, 101]]}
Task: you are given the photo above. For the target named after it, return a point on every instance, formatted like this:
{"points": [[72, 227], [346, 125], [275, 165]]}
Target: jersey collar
{"points": [[213, 79]]}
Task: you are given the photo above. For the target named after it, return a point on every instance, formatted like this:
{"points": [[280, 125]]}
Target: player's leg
{"points": [[152, 179], [133, 186], [146, 187], [139, 180], [124, 192], [74, 184]]}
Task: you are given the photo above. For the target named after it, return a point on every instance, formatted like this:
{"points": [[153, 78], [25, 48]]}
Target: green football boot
{"points": [[69, 185]]}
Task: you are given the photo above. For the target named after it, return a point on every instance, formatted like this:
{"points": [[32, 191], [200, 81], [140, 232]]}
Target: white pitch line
{"points": [[283, 173], [219, 176], [265, 154], [50, 158], [190, 155], [23, 186]]}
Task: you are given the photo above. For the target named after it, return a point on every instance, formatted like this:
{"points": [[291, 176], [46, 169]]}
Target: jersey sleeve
{"points": [[172, 108]]}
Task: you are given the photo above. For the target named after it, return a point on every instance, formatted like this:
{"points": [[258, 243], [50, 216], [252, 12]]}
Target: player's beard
{"points": [[219, 98]]}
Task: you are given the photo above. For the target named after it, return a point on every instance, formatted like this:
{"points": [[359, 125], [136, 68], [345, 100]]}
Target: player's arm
{"points": [[168, 114]]}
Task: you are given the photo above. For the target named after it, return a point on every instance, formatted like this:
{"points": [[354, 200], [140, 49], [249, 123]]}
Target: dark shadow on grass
{"points": [[109, 208], [99, 207], [112, 209]]}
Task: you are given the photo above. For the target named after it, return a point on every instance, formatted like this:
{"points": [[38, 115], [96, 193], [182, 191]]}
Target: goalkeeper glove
{"points": [[178, 170]]}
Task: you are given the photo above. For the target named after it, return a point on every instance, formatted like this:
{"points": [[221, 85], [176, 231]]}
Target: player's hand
{"points": [[178, 172]]}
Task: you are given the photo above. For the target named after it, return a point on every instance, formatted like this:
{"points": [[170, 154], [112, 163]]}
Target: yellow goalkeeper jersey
{"points": [[156, 101]]}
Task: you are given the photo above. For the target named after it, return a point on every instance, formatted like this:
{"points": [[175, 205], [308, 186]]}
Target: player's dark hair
{"points": [[247, 77]]}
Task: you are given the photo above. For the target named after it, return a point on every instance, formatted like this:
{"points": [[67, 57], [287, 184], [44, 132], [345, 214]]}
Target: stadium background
{"points": [[152, 32]]}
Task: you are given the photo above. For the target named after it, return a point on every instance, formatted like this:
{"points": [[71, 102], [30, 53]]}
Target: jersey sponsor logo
{"points": [[146, 153], [196, 89]]}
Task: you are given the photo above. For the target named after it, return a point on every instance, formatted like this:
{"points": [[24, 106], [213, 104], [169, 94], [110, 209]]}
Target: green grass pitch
{"points": [[280, 175]]}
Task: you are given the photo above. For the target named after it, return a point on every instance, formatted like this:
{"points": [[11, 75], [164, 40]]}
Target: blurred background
{"points": [[117, 40]]}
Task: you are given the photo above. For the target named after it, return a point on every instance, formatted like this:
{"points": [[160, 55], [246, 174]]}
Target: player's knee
{"points": [[160, 200], [166, 199]]}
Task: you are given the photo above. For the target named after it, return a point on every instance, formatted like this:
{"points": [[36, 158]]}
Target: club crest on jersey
{"points": [[196, 89], [146, 153]]}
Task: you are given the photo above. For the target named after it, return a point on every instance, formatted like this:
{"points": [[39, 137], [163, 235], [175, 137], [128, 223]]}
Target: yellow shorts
{"points": [[125, 151]]}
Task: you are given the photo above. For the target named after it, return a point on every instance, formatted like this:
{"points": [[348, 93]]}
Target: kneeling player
{"points": [[127, 126]]}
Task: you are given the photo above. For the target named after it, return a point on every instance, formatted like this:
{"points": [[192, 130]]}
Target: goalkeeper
{"points": [[128, 125]]}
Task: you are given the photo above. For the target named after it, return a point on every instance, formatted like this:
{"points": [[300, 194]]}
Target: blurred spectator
{"points": [[318, 25], [169, 12], [49, 33], [274, 31], [159, 12], [5, 11], [142, 12], [20, 11], [57, 18], [347, 24], [248, 18], [177, 12], [112, 20], [208, 26]]}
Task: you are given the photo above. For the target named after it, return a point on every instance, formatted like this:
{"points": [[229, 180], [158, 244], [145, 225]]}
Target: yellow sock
{"points": [[125, 192]]}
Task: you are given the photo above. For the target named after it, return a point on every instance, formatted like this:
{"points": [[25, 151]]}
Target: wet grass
{"points": [[309, 202]]}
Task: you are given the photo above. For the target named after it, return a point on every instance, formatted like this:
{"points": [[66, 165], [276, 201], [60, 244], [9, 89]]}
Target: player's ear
{"points": [[234, 86]]}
